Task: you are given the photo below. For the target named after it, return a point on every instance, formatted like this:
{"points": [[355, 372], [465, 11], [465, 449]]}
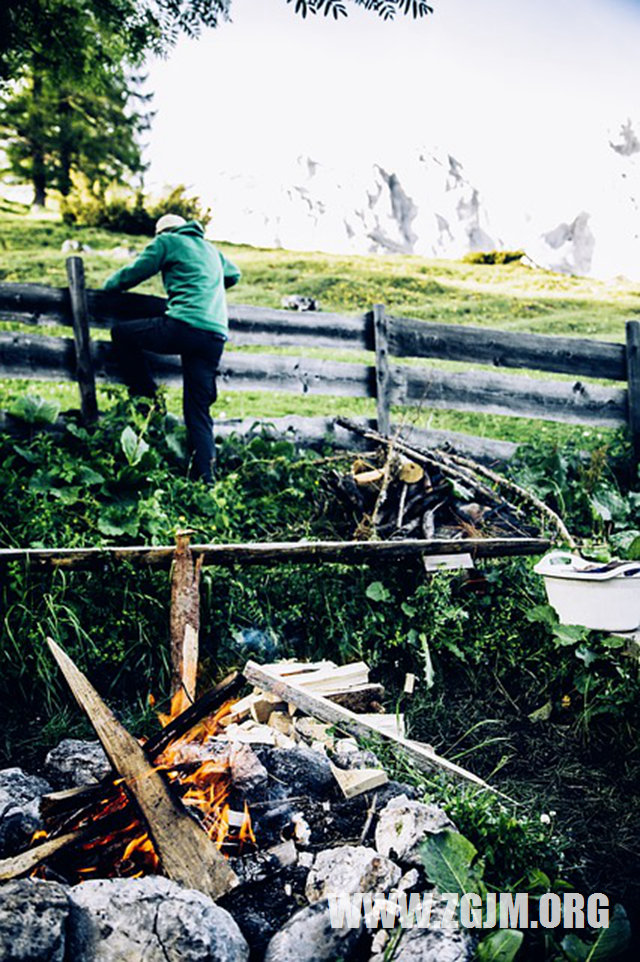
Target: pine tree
{"points": [[52, 129]]}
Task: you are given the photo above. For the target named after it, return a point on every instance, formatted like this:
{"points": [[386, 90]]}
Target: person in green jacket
{"points": [[195, 326]]}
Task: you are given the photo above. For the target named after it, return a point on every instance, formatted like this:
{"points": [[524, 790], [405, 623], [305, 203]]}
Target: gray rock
{"points": [[309, 937], [298, 302], [348, 754], [404, 823], [434, 945], [74, 763], [33, 921], [248, 774], [150, 920], [350, 868], [302, 770], [19, 808]]}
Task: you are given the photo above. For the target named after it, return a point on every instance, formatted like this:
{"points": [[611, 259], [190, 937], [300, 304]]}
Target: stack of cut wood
{"points": [[265, 718], [401, 492]]}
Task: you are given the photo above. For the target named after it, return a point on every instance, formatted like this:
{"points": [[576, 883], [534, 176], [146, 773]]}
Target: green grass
{"points": [[511, 297]]}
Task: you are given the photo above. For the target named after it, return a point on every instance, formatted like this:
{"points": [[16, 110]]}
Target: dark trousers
{"points": [[200, 352]]}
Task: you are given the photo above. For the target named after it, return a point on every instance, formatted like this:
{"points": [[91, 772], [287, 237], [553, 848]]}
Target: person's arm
{"points": [[145, 265], [231, 273]]}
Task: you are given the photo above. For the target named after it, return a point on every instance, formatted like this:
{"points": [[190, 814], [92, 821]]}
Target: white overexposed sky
{"points": [[525, 93]]}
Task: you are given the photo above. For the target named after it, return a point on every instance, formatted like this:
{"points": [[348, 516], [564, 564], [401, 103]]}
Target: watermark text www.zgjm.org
{"points": [[505, 910]]}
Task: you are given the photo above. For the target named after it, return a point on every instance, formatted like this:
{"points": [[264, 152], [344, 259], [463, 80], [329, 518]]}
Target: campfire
{"points": [[233, 792]]}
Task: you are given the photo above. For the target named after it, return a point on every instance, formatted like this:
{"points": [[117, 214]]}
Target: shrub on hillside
{"points": [[127, 212], [492, 257]]}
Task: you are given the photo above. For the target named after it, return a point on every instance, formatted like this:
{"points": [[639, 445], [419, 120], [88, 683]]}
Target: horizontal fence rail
{"points": [[42, 356]]}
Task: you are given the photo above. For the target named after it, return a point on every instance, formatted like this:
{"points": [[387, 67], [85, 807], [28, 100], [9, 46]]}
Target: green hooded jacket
{"points": [[194, 274]]}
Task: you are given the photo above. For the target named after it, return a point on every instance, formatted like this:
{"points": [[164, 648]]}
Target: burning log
{"points": [[186, 852], [26, 862]]}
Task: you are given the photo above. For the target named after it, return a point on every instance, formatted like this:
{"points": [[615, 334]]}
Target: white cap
{"points": [[169, 222]]}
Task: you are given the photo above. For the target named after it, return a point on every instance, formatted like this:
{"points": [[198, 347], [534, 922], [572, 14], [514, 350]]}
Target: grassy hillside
{"points": [[506, 296]]}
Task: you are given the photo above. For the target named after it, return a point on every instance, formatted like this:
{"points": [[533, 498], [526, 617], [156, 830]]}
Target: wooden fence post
{"points": [[82, 339], [633, 384], [185, 622], [383, 374]]}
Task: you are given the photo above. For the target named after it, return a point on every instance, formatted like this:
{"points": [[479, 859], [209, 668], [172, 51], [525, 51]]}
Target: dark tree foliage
{"points": [[387, 9], [53, 129], [72, 35]]}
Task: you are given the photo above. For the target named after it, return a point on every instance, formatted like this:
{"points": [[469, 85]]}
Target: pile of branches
{"points": [[399, 491]]}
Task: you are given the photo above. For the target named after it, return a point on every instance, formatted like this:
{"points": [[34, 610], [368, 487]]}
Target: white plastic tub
{"points": [[602, 597]]}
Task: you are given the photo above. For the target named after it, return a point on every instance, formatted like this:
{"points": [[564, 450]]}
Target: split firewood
{"points": [[26, 862], [357, 781], [393, 724], [325, 710], [185, 622], [185, 851], [364, 698]]}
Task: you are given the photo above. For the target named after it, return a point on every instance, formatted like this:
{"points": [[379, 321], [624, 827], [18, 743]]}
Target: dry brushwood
{"points": [[417, 493]]}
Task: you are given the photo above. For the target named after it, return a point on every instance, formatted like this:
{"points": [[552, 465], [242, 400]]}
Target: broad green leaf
{"points": [[569, 634], [612, 941], [501, 946], [409, 610], [587, 655], [447, 858], [377, 592], [543, 713], [544, 614], [574, 948], [132, 446], [88, 476], [35, 409], [633, 551], [28, 456]]}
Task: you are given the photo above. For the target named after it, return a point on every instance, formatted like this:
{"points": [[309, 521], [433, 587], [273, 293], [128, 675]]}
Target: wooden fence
{"points": [[386, 336]]}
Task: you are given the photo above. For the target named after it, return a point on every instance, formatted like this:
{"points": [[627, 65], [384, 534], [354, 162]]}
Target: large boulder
{"points": [[349, 869], [150, 920], [33, 921], [308, 936], [403, 825], [19, 808]]}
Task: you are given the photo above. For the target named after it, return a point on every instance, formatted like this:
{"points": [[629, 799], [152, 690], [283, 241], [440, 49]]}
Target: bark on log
{"points": [[186, 852], [268, 553]]}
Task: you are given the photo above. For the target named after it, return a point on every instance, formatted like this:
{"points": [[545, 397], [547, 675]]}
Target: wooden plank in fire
{"points": [[320, 707], [186, 852]]}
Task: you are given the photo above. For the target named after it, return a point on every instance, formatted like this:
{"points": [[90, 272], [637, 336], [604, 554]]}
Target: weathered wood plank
{"points": [[44, 357], [581, 357], [327, 711], [186, 852], [35, 303], [36, 356], [304, 329], [633, 384], [316, 430], [383, 375], [82, 340], [510, 395], [299, 552], [184, 622]]}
